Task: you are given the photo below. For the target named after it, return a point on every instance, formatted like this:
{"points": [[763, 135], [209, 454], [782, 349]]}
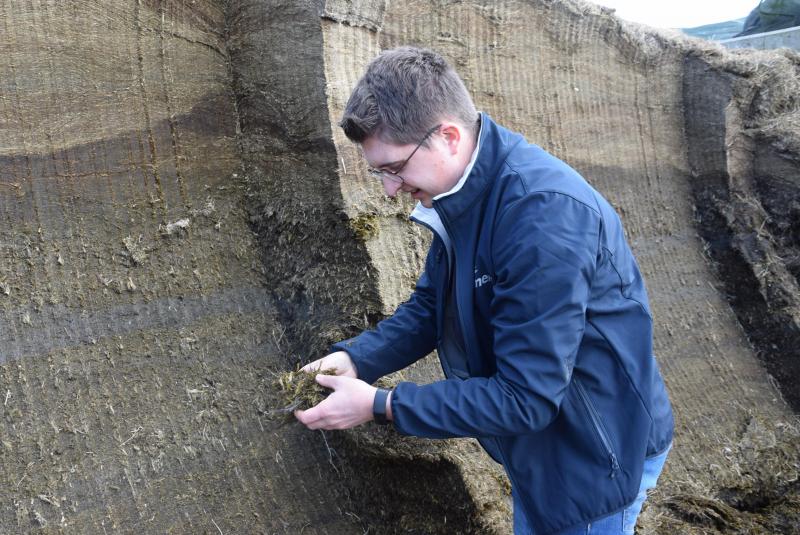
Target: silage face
{"points": [[144, 143]]}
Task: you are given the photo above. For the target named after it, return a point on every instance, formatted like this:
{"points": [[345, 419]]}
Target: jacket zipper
{"points": [[597, 423], [459, 303], [448, 372]]}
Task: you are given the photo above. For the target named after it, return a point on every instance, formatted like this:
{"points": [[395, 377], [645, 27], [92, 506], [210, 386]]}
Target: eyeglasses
{"points": [[394, 176]]}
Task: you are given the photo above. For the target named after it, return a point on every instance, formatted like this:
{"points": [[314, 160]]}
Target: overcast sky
{"points": [[679, 13]]}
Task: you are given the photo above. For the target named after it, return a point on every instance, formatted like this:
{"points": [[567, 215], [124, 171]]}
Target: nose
{"points": [[391, 187]]}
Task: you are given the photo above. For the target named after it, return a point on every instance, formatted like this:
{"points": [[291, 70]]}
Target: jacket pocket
{"points": [[599, 428]]}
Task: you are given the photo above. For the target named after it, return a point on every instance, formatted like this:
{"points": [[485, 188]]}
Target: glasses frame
{"points": [[394, 176]]}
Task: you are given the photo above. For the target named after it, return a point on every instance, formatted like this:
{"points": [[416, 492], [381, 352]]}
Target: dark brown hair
{"points": [[403, 93]]}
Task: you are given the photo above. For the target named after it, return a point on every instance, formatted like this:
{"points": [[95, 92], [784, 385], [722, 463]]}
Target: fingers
{"points": [[329, 381], [349, 404], [316, 366], [315, 418], [313, 366], [308, 417], [339, 360]]}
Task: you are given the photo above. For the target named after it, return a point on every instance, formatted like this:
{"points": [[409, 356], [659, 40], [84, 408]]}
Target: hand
{"points": [[339, 360], [349, 405]]}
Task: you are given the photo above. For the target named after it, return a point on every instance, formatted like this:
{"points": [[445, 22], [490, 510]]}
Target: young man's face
{"points": [[430, 171]]}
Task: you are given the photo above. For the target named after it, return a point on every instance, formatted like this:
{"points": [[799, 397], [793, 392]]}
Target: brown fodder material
{"points": [[135, 323], [140, 316]]}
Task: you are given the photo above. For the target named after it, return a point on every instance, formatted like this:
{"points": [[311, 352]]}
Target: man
{"points": [[531, 296]]}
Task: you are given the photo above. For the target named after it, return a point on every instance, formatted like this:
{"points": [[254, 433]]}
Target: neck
{"points": [[465, 156]]}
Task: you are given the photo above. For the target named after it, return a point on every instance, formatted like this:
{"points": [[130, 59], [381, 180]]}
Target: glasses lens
{"points": [[381, 175]]}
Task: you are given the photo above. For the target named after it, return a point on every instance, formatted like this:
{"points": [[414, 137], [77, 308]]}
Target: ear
{"points": [[452, 135]]}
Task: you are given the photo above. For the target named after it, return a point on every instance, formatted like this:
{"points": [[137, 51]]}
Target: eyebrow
{"points": [[389, 165]]}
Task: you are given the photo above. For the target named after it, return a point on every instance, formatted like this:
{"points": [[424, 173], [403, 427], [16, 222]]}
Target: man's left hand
{"points": [[349, 405]]}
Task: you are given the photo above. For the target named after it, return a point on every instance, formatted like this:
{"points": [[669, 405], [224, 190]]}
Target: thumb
{"points": [[328, 381]]}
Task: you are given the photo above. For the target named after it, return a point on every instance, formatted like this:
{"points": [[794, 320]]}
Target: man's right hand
{"points": [[339, 360]]}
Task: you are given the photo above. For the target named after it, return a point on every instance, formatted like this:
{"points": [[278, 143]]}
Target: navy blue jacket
{"points": [[563, 389]]}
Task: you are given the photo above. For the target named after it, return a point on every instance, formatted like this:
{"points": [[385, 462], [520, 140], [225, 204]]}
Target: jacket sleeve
{"points": [[544, 250], [400, 340]]}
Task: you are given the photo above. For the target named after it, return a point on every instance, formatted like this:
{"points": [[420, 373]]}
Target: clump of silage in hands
{"points": [[299, 390]]}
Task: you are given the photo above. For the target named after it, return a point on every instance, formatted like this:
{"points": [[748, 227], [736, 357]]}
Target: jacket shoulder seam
{"points": [[557, 192], [622, 282]]}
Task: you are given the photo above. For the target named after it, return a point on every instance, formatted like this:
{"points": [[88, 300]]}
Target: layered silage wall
{"points": [[183, 218], [137, 334], [743, 147]]}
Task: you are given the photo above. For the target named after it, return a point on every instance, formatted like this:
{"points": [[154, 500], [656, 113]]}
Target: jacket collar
{"points": [[429, 217], [495, 142]]}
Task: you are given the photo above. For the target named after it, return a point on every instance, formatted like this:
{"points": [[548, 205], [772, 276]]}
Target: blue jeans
{"points": [[620, 523]]}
